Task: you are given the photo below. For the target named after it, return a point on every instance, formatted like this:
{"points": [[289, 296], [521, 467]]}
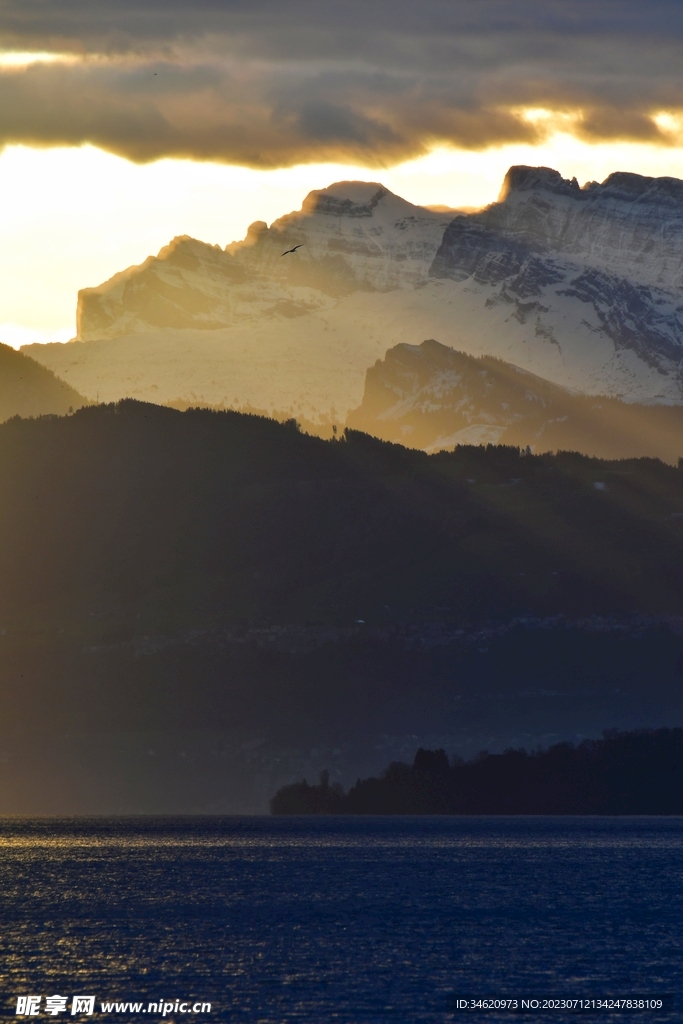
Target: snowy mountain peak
{"points": [[593, 269], [582, 286], [628, 187], [532, 179], [352, 236], [346, 199], [620, 187]]}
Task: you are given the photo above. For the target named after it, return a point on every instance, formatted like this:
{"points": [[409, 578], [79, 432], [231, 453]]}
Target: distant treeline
{"points": [[638, 772]]}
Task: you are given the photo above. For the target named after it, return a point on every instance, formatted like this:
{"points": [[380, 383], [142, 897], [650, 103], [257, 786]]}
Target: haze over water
{"points": [[352, 920]]}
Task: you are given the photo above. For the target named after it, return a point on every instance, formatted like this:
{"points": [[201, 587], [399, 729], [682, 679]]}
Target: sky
{"points": [[123, 124]]}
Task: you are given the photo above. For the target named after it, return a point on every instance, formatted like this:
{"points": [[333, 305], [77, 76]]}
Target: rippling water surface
{"points": [[341, 919]]}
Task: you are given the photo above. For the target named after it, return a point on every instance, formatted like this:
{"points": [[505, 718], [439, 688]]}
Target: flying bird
{"points": [[292, 250]]}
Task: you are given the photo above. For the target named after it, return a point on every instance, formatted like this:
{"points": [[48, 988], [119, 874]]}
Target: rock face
{"points": [[614, 250], [429, 396], [630, 225], [580, 286]]}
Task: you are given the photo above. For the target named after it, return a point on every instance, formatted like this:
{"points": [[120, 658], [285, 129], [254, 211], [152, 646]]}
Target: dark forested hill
{"points": [[29, 389], [201, 516], [242, 600]]}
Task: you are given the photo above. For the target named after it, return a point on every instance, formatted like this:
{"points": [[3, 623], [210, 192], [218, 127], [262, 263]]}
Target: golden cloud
{"points": [[268, 84]]}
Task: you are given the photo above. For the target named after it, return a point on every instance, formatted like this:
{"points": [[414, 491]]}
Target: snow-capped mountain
{"points": [[246, 326], [581, 286], [600, 264], [352, 236], [429, 396]]}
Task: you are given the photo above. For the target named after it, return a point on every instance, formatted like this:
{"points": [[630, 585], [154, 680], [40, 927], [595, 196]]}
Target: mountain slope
{"points": [[197, 607], [226, 512], [28, 389], [429, 396], [581, 286]]}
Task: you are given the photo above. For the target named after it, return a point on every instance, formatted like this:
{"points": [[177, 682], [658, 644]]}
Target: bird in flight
{"points": [[292, 250]]}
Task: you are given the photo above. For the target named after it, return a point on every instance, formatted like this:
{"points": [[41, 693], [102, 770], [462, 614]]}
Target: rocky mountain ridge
{"points": [[431, 397], [581, 286], [616, 249], [630, 224], [354, 236]]}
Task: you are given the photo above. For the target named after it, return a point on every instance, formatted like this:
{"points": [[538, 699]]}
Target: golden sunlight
{"points": [[22, 59]]}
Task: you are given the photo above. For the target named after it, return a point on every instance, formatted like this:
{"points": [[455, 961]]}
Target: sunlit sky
{"points": [[123, 123]]}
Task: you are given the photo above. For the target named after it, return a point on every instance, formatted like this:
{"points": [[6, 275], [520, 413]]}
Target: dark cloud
{"points": [[275, 82]]}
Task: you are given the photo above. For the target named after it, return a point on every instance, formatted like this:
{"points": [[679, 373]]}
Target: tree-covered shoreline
{"points": [[638, 772]]}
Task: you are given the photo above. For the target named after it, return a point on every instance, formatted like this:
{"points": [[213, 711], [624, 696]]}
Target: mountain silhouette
{"points": [[29, 389]]}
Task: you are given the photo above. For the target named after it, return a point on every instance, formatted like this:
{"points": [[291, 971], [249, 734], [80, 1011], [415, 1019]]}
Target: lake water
{"points": [[340, 919]]}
